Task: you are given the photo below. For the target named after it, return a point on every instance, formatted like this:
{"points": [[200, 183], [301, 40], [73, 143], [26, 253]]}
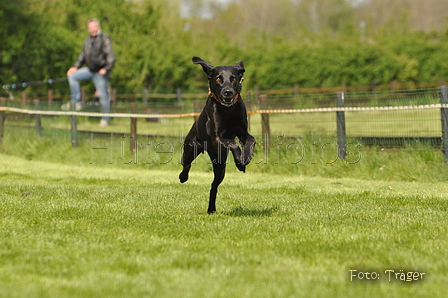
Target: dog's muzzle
{"points": [[227, 102]]}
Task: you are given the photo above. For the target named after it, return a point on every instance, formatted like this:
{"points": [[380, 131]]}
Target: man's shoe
{"points": [[66, 106], [103, 123]]}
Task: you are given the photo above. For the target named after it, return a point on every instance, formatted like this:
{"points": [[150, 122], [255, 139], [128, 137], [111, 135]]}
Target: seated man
{"points": [[97, 54]]}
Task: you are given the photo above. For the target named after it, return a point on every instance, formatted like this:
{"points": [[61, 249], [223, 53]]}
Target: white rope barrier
{"points": [[349, 109], [94, 114], [269, 111]]}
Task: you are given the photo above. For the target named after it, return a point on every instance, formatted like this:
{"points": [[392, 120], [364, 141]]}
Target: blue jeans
{"points": [[100, 82]]}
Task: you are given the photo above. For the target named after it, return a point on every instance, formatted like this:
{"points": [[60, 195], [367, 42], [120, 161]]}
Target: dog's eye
{"points": [[234, 79], [218, 79]]}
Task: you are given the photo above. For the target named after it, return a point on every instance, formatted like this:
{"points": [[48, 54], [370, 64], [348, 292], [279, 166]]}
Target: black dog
{"points": [[223, 118]]}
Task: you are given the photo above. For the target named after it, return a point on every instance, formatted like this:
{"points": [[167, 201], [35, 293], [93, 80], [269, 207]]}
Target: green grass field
{"points": [[73, 229]]}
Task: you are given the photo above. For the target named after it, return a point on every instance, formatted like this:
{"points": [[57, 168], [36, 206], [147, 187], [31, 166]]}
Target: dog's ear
{"points": [[240, 66], [207, 67]]}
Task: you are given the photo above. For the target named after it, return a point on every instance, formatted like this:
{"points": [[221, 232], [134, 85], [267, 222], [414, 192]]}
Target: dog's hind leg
{"points": [[219, 171], [191, 151]]}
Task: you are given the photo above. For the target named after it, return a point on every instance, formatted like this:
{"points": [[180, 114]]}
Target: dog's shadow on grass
{"points": [[255, 212]]}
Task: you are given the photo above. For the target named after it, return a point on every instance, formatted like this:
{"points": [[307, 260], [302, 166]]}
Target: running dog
{"points": [[223, 119]]}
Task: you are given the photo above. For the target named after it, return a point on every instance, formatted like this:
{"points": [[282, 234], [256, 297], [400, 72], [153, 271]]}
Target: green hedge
{"points": [[41, 40]]}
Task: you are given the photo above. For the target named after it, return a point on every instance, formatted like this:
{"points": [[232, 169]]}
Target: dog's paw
{"points": [[183, 177], [247, 158], [247, 161], [241, 167]]}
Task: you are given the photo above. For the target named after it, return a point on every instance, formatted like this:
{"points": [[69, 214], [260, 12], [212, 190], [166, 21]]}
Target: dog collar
{"points": [[226, 104]]}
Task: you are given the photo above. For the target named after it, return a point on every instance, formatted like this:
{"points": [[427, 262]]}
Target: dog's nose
{"points": [[228, 93]]}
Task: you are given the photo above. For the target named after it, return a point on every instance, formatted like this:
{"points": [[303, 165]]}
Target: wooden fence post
{"points": [[38, 120], [2, 119], [83, 97], [444, 117], [296, 91], [179, 95], [393, 86], [265, 128], [50, 98], [113, 97], [24, 100], [145, 98], [340, 122], [73, 126], [133, 137]]}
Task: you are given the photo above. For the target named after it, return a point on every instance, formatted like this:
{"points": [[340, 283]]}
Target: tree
{"points": [[31, 46]]}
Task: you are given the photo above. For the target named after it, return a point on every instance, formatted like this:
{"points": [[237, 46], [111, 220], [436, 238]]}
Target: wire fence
{"points": [[406, 113], [374, 119]]}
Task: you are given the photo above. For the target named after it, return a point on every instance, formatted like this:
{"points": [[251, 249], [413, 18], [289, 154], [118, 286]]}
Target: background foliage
{"points": [[307, 42]]}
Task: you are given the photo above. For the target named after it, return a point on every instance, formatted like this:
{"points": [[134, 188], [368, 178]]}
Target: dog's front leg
{"points": [[248, 149], [229, 144]]}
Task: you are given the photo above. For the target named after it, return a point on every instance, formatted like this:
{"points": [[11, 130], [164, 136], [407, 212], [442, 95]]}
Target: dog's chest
{"points": [[229, 124]]}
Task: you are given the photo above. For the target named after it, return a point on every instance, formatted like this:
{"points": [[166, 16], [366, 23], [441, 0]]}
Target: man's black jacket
{"points": [[97, 53]]}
